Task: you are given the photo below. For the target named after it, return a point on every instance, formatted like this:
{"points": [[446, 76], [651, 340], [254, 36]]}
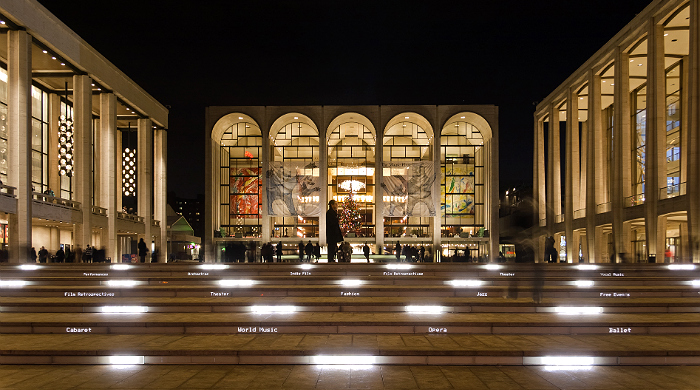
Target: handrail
{"points": [[559, 218], [99, 210], [7, 190], [603, 207], [129, 217], [543, 222], [672, 191], [48, 199], [634, 200], [580, 213]]}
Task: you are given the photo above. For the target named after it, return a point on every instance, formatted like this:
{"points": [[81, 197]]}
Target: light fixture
{"points": [[28, 267], [344, 360], [584, 283], [466, 283], [126, 360], [587, 267], [273, 309], [681, 267], [121, 283], [65, 141], [306, 266], [351, 282], [12, 283], [120, 267], [352, 185], [493, 267], [124, 309], [425, 309], [129, 167], [573, 310], [236, 283], [213, 266], [399, 266]]}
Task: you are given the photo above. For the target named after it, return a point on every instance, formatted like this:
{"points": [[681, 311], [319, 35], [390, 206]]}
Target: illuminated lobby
{"points": [[270, 172]]}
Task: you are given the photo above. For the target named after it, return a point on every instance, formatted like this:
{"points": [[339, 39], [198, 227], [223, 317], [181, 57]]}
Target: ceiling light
{"points": [[666, 34], [406, 117], [462, 117], [240, 118], [296, 117], [44, 51]]}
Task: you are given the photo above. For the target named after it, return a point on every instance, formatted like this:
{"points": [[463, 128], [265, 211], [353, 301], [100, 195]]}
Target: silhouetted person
{"points": [[309, 250], [143, 250], [365, 250], [333, 233], [278, 251], [397, 250], [60, 256], [317, 252]]}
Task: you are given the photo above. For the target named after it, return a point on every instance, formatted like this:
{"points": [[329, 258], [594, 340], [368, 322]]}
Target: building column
{"points": [[594, 164], [655, 167], [660, 236], [539, 188], [378, 191], [267, 157], [493, 193], [324, 196], [19, 117], [212, 189], [82, 149], [144, 164], [108, 190], [437, 169], [160, 199], [693, 85], [621, 184], [554, 170], [572, 172]]}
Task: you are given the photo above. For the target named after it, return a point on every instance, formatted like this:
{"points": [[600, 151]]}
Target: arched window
{"points": [[293, 185], [240, 188], [351, 172], [408, 177]]}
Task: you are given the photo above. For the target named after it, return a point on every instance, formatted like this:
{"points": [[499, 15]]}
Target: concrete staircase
{"points": [[291, 313]]}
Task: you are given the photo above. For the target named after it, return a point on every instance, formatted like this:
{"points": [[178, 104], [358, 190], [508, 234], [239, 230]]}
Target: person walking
{"points": [[32, 255], [309, 250], [317, 252], [365, 250], [333, 233], [278, 252], [60, 255], [143, 250], [397, 249]]}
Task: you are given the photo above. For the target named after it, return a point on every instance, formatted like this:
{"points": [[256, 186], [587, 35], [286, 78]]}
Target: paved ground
{"points": [[324, 377]]}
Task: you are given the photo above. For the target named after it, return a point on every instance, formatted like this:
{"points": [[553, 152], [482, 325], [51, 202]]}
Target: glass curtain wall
{"points": [[240, 189], [406, 142], [639, 123], [351, 149], [40, 141], [296, 154], [673, 130], [3, 126]]}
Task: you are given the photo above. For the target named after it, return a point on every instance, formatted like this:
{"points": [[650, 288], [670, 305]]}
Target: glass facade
{"points": [[40, 141], [3, 126], [673, 130]]}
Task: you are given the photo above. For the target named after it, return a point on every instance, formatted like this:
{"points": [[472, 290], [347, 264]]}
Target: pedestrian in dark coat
{"points": [[60, 256], [143, 250], [278, 251], [301, 250], [309, 250], [333, 233], [365, 250]]}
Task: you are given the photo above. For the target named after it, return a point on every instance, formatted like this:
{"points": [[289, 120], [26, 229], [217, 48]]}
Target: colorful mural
{"points": [[244, 181]]}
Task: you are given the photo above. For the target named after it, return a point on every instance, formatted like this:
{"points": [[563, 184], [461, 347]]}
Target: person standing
{"points": [[143, 250], [278, 251], [43, 255], [309, 250], [333, 233], [32, 255], [398, 251], [60, 255], [365, 250], [301, 250], [317, 252]]}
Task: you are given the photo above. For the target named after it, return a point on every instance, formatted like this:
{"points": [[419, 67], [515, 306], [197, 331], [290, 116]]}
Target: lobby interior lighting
{"points": [[124, 309], [122, 283], [273, 309], [584, 283], [493, 267], [126, 360], [587, 267], [351, 282], [399, 266], [466, 283], [681, 267], [236, 283], [574, 310], [29, 267], [12, 283], [428, 309], [120, 267], [344, 360], [213, 267]]}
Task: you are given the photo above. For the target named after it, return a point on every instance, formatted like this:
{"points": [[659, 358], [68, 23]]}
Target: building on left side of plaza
{"points": [[82, 147]]}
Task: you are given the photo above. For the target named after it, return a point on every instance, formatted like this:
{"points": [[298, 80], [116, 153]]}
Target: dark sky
{"points": [[190, 55]]}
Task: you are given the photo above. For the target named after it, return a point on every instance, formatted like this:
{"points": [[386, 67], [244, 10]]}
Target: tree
{"points": [[349, 218]]}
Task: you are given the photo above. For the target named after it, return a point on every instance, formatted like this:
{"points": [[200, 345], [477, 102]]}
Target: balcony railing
{"points": [[603, 208], [634, 200], [129, 217], [7, 190], [559, 218], [99, 210], [672, 191], [543, 222], [48, 199], [581, 213]]}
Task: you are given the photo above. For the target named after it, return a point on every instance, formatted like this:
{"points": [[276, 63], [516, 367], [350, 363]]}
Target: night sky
{"points": [[190, 55]]}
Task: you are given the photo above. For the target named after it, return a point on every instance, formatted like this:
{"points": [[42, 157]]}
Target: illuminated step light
{"points": [[124, 309], [572, 310], [466, 283], [120, 267], [306, 266], [213, 267], [29, 267], [493, 267], [273, 309], [126, 360], [568, 368], [235, 283], [12, 283], [399, 266], [584, 283], [681, 267], [425, 309], [122, 283], [567, 360], [587, 267], [351, 282], [696, 283], [344, 360]]}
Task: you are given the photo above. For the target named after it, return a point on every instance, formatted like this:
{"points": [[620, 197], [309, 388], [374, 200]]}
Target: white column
{"points": [[693, 85], [493, 201], [554, 170], [594, 166], [160, 193], [19, 116], [622, 149], [539, 185], [144, 163], [572, 172], [437, 220], [110, 162], [212, 189], [82, 130], [378, 192], [324, 196]]}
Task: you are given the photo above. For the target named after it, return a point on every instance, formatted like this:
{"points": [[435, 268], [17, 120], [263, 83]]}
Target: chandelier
{"points": [[352, 185], [65, 146]]}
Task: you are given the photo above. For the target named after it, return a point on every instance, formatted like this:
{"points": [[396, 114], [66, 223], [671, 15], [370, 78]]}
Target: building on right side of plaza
{"points": [[617, 146]]}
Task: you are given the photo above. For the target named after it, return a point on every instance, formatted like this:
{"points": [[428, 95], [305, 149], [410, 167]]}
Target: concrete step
{"points": [[320, 348]]}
